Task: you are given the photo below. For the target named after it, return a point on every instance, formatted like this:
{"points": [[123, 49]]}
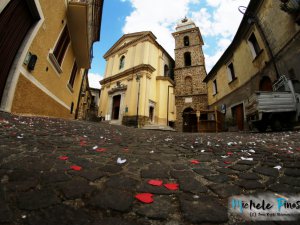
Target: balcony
{"points": [[84, 19]]}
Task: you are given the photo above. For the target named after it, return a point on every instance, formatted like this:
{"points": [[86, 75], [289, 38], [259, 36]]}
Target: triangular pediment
{"points": [[126, 40]]}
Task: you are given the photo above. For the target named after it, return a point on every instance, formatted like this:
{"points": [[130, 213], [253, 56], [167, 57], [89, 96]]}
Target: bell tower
{"points": [[190, 91]]}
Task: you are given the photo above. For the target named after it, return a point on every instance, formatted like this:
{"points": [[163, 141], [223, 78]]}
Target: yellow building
{"points": [[45, 50], [138, 82], [265, 46]]}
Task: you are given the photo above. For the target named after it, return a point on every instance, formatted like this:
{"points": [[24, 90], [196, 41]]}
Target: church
{"points": [[143, 85]]}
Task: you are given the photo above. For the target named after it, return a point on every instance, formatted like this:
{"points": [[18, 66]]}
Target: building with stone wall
{"points": [[137, 88], [45, 49], [266, 46], [190, 90]]}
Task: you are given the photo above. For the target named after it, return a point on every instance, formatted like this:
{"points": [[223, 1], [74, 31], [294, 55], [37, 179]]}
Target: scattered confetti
{"points": [[145, 197], [277, 167], [63, 157], [121, 161], [77, 168], [248, 159], [172, 186], [155, 182], [194, 161]]}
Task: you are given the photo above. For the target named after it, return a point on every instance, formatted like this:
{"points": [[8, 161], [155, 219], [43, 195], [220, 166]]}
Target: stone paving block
{"points": [[60, 215], [240, 167], [54, 177], [179, 174], [227, 171], [292, 172], [225, 191], [180, 167], [75, 188], [90, 174], [249, 176], [203, 210], [111, 168], [221, 178], [111, 198], [160, 209], [121, 182], [270, 172], [189, 184], [250, 184], [33, 200], [155, 172], [247, 162], [284, 188], [292, 181]]}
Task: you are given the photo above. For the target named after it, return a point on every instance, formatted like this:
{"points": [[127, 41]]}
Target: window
{"points": [[230, 72], [187, 59], [62, 45], [122, 62], [73, 74], [186, 41], [254, 47], [166, 71], [215, 87]]}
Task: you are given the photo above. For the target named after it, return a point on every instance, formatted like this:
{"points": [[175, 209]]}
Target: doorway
{"points": [[15, 21], [238, 116], [116, 107], [189, 118], [151, 114], [265, 84]]}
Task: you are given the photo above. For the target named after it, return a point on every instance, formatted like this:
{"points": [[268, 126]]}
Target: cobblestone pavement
{"points": [[41, 180]]}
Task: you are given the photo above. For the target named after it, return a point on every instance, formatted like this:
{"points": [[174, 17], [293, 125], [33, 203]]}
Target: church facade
{"points": [[137, 88]]}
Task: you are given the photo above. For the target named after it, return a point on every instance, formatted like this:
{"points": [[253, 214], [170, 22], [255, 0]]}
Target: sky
{"points": [[218, 21]]}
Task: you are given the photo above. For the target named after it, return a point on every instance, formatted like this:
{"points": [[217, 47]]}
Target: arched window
{"points": [[166, 71], [122, 62], [186, 41], [188, 82], [187, 59]]}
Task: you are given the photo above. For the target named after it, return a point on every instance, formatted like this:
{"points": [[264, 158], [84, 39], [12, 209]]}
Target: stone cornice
{"points": [[166, 78], [140, 68], [188, 67]]}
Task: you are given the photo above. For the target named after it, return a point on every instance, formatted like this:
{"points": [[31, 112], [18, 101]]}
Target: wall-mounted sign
{"points": [[188, 100]]}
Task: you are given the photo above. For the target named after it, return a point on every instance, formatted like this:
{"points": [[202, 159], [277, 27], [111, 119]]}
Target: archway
{"points": [[265, 84], [189, 119], [151, 114], [116, 107]]}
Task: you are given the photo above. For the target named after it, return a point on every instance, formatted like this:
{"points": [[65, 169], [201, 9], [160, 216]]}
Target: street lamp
{"points": [[138, 79]]}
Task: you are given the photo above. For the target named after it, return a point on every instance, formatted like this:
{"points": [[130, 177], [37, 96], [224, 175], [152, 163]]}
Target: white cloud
{"points": [[218, 20], [94, 79]]}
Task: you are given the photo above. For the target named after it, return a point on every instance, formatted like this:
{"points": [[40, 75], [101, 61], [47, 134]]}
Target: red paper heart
{"points": [[155, 182], [82, 143], [100, 149], [145, 197], [227, 162], [194, 161], [171, 186], [229, 153], [63, 157], [77, 168]]}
